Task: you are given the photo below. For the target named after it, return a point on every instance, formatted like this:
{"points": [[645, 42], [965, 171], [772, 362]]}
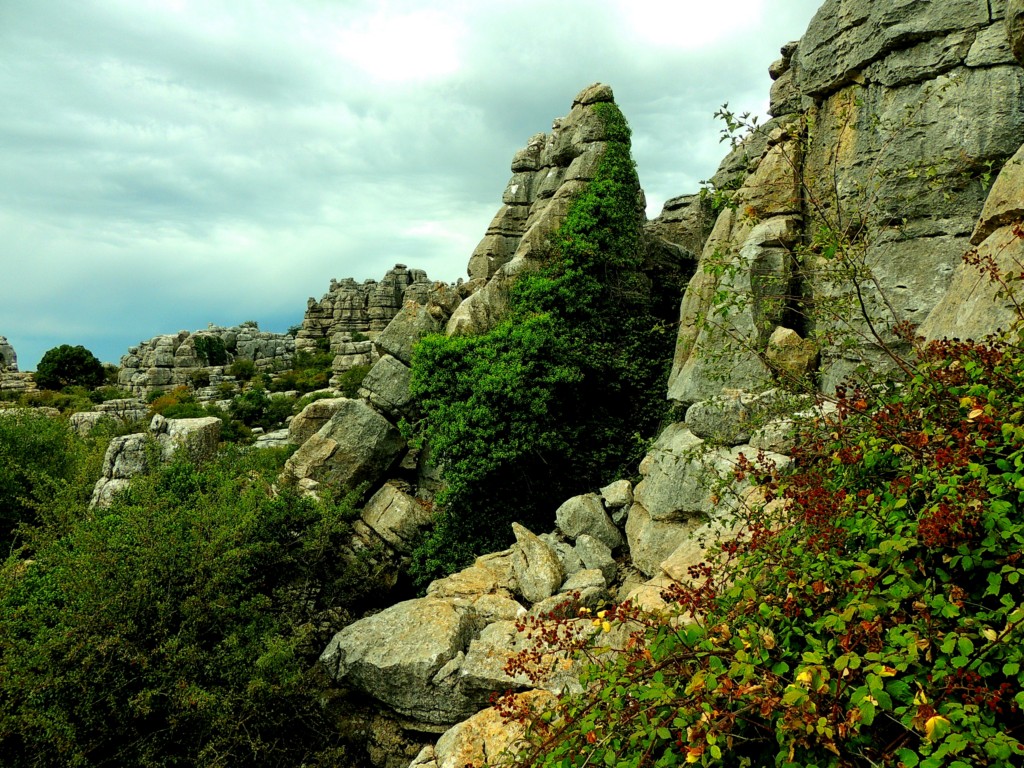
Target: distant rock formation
{"points": [[174, 360], [8, 357]]}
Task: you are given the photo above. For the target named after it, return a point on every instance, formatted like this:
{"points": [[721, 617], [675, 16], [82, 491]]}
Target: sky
{"points": [[167, 164]]}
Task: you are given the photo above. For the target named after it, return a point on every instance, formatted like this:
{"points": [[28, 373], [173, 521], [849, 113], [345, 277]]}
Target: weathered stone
{"points": [[651, 541], [595, 554], [1015, 28], [195, 438], [537, 569], [990, 48], [586, 579], [355, 446], [386, 386], [397, 517], [617, 494], [394, 655], [312, 418], [469, 584], [408, 326], [485, 738], [8, 357], [586, 514], [567, 556], [279, 438], [730, 419], [846, 36], [791, 357]]}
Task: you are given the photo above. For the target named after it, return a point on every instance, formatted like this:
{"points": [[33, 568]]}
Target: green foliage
{"points": [[178, 626], [547, 403], [872, 616], [255, 408], [309, 372], [242, 369], [66, 366], [37, 454], [210, 349], [350, 381]]}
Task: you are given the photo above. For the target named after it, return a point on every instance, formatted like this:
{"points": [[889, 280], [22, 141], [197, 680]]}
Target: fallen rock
{"points": [[394, 656], [396, 517], [586, 514], [537, 569]]}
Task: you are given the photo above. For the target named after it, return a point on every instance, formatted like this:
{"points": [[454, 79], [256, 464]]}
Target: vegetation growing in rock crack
{"points": [[556, 398]]}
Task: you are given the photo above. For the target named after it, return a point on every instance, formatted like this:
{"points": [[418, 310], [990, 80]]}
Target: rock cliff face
{"points": [[889, 122]]}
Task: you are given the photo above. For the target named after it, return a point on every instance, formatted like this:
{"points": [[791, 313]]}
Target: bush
{"points": [[349, 382], [179, 626], [37, 453], [255, 408], [872, 616], [177, 397], [242, 369], [211, 349], [66, 366]]}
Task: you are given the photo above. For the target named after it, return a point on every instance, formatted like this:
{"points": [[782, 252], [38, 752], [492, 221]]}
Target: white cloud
{"points": [[168, 164]]}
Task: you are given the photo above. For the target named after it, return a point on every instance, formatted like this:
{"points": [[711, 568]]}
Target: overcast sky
{"points": [[165, 164]]}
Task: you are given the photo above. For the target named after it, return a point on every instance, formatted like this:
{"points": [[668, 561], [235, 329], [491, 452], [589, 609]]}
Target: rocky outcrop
{"points": [[912, 107], [119, 411], [361, 309], [8, 357], [131, 455], [546, 175], [187, 358]]}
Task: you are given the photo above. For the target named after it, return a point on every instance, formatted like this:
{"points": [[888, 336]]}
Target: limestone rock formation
{"points": [[912, 106], [128, 456], [546, 175], [361, 308], [8, 357], [173, 360]]}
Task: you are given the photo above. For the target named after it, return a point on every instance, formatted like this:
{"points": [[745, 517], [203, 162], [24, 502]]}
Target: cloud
{"points": [[173, 163]]}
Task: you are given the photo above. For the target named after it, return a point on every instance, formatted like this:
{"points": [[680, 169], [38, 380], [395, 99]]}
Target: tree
{"points": [[66, 366]]}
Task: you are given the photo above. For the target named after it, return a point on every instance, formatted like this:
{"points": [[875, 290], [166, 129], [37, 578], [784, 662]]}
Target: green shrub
{"points": [[66, 366], [873, 615], [349, 382], [242, 369], [255, 408], [210, 349], [163, 401], [179, 626], [37, 453], [548, 403]]}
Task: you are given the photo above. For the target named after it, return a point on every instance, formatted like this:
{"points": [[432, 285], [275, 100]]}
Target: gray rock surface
{"points": [[395, 655], [586, 514], [8, 357], [537, 569], [357, 445], [397, 517], [386, 386], [312, 418], [409, 325]]}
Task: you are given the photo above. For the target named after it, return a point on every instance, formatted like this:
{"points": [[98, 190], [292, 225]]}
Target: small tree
{"points": [[66, 366]]}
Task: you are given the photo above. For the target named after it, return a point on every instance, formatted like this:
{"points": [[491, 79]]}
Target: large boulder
{"points": [[312, 418], [386, 386], [396, 517], [8, 357], [394, 656], [357, 445]]}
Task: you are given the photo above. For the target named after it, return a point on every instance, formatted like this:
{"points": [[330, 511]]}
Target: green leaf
{"points": [[908, 758]]}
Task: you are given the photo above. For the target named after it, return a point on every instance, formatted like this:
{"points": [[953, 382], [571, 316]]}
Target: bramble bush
{"points": [[179, 626], [554, 399], [874, 617]]}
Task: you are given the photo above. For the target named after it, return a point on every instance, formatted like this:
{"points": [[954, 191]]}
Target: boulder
{"points": [[386, 386], [411, 324], [312, 418], [195, 438], [537, 569], [396, 517], [8, 357], [357, 445], [595, 554], [617, 495], [1015, 28], [651, 541], [484, 739], [395, 655], [586, 514]]}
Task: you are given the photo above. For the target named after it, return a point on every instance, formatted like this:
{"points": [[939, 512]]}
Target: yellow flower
{"points": [[606, 626]]}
